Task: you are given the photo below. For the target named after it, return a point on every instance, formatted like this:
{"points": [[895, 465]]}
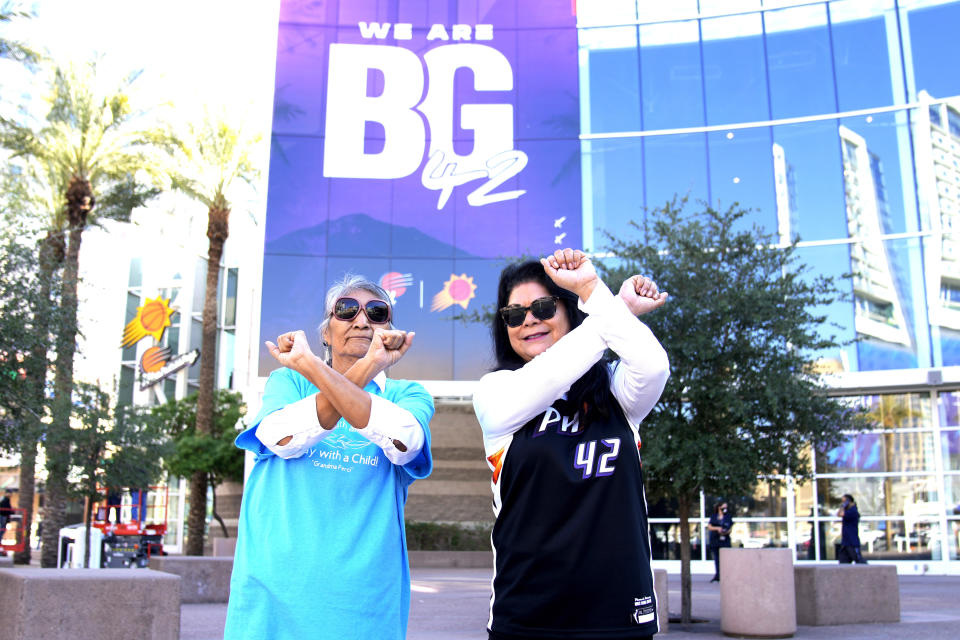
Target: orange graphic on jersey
{"points": [[496, 461], [152, 319], [457, 290]]}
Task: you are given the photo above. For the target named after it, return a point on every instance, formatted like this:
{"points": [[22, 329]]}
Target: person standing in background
{"points": [[849, 532], [719, 526]]}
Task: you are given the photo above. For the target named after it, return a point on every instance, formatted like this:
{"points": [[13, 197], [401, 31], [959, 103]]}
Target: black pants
{"points": [[848, 554], [715, 552]]}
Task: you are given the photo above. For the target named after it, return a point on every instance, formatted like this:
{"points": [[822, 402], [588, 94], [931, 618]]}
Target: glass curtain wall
{"points": [[837, 125]]}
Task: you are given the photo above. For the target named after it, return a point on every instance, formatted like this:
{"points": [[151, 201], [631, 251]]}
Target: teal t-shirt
{"points": [[321, 548]]}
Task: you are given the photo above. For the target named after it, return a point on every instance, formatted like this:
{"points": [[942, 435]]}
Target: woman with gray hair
{"points": [[321, 548]]}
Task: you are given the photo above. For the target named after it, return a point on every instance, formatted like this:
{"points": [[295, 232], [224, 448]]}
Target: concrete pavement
{"points": [[452, 604]]}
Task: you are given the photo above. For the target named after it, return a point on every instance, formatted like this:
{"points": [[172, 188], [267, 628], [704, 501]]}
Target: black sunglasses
{"points": [[542, 309], [377, 311]]}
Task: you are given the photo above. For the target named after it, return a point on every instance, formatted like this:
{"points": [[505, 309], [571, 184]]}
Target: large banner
{"points": [[421, 144]]}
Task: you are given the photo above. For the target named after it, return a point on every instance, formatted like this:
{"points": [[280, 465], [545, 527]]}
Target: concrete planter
{"points": [[847, 594], [107, 604], [757, 597]]}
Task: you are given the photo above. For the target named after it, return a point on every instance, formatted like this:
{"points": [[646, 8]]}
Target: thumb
{"points": [[273, 349]]}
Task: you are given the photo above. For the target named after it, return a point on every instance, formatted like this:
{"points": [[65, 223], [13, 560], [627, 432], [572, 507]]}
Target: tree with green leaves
{"points": [[30, 260], [103, 153], [209, 453], [742, 328], [214, 158], [121, 447]]}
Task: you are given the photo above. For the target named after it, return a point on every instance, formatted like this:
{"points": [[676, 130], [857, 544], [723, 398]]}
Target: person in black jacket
{"points": [[849, 532], [720, 524]]}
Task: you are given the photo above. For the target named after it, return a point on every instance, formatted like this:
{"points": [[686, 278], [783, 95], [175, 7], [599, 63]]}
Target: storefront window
{"points": [[911, 496], [951, 498], [758, 535], [950, 447], [665, 541], [900, 411], [891, 539], [879, 452]]}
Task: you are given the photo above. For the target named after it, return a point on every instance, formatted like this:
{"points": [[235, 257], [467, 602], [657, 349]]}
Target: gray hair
{"points": [[349, 283]]}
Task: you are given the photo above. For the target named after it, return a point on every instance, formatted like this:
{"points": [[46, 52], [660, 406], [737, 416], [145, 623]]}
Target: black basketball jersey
{"points": [[571, 540]]}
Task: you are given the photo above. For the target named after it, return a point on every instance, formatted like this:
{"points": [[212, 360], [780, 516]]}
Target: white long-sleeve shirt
{"points": [[506, 400], [299, 420]]}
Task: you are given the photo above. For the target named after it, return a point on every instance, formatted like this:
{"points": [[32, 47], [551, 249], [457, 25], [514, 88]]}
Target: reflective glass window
{"points": [[915, 496], [230, 304], [900, 539], [125, 390], [734, 69], [758, 535], [900, 411], [891, 314], [671, 80], [799, 61], [742, 171], [952, 494], [613, 75], [934, 47], [809, 179], [136, 272], [613, 187], [665, 541], [834, 261], [949, 405], [667, 508], [953, 529], [868, 75], [133, 302], [676, 165], [803, 494], [806, 547], [768, 498], [878, 452]]}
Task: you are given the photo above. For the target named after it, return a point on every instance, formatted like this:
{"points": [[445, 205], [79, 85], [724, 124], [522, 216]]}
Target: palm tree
{"points": [[215, 157], [95, 144], [33, 195], [14, 49]]}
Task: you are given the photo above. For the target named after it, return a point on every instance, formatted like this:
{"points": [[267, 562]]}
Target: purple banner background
{"points": [[318, 228]]}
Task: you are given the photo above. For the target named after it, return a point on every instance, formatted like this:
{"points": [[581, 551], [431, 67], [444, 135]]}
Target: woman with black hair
{"points": [[561, 434], [719, 526]]}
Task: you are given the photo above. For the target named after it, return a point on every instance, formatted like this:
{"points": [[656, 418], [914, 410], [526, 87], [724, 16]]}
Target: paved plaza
{"points": [[452, 604]]}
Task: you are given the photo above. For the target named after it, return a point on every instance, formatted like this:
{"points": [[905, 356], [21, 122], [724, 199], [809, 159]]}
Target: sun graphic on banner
{"points": [[151, 320], [457, 290]]}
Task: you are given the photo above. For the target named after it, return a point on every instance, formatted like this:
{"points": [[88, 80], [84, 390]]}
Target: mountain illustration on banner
{"points": [[361, 235]]}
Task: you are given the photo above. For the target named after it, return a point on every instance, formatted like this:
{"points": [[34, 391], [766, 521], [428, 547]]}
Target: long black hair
{"points": [[592, 391]]}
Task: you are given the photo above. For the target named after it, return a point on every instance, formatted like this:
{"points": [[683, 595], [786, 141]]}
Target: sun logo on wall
{"points": [[154, 358], [457, 290], [395, 284], [151, 320]]}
